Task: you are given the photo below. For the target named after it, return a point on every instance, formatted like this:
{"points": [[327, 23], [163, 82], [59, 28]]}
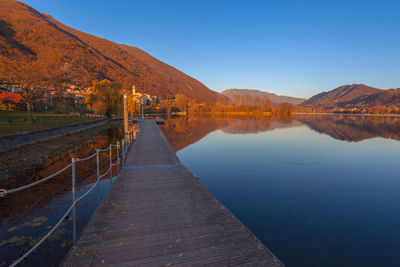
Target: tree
{"points": [[182, 102], [105, 97], [285, 109], [133, 105]]}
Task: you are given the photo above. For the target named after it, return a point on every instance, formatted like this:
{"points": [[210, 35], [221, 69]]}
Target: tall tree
{"points": [[105, 97]]}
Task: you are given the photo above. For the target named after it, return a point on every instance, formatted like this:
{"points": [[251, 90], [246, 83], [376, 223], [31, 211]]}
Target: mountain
{"points": [[385, 98], [75, 57], [355, 96], [276, 99]]}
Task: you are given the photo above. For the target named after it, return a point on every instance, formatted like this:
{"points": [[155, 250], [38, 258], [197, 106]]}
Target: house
{"points": [[10, 100]]}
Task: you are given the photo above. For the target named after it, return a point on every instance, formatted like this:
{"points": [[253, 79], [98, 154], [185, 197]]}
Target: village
{"points": [[73, 99]]}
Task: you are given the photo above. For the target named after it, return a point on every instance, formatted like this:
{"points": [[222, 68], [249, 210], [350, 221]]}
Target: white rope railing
{"points": [[124, 150], [10, 191], [4, 192], [90, 157], [105, 149], [58, 223]]}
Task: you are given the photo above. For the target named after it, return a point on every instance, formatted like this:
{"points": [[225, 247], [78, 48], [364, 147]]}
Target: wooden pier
{"points": [[158, 214]]}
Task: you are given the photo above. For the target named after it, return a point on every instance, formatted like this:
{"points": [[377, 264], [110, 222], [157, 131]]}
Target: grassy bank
{"points": [[12, 121]]}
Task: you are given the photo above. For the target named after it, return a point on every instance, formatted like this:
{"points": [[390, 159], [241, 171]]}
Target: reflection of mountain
{"points": [[183, 131], [353, 128], [256, 124], [251, 125]]}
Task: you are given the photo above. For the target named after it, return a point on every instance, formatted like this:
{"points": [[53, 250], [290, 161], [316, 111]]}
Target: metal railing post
{"points": [[130, 140], [98, 163], [111, 167], [117, 158], [123, 152], [73, 200], [98, 172]]}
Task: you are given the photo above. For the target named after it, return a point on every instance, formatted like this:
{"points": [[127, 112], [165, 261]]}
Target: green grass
{"points": [[20, 121]]}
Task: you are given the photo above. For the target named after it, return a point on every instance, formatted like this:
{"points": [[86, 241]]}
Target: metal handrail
{"points": [[4, 192]]}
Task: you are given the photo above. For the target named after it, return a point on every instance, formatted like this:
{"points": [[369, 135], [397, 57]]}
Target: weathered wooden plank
{"points": [[158, 214]]}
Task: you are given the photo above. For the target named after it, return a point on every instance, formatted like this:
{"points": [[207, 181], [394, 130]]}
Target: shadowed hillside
{"points": [[275, 99]]}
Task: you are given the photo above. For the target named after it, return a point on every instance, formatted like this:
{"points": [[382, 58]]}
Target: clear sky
{"points": [[296, 48]]}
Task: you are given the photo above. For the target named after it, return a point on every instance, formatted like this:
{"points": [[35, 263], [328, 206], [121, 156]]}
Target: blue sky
{"points": [[296, 48]]}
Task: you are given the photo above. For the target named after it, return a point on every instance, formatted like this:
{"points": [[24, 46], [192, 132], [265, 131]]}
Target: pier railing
{"points": [[124, 147]]}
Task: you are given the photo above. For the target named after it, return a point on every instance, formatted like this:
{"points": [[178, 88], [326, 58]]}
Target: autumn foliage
{"points": [[78, 58], [105, 97]]}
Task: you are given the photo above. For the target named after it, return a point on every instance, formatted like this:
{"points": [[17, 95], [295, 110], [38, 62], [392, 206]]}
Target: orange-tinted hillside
{"points": [[79, 58]]}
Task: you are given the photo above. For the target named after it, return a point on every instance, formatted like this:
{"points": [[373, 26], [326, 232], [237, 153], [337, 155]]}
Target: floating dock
{"points": [[159, 214]]}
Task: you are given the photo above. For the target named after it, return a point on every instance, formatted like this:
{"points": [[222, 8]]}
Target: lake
{"points": [[316, 190]]}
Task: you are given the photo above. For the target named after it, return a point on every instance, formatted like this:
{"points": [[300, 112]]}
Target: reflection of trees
{"points": [[249, 125], [353, 128], [183, 131], [15, 206]]}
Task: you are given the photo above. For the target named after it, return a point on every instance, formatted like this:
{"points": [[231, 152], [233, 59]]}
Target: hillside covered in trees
{"points": [[39, 47]]}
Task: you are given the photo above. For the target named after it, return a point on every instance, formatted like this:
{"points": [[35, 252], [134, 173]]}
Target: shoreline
{"points": [[32, 156]]}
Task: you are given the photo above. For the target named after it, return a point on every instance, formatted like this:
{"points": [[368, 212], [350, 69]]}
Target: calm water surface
{"points": [[317, 190]]}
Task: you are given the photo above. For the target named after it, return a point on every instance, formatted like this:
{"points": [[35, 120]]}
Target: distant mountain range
{"points": [[355, 96], [79, 58], [276, 99]]}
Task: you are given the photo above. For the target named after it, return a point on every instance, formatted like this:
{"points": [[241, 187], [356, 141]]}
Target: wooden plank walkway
{"points": [[158, 214]]}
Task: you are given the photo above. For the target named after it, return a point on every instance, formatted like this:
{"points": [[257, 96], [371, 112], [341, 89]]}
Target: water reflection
{"points": [[184, 131], [317, 190], [354, 128], [28, 215]]}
